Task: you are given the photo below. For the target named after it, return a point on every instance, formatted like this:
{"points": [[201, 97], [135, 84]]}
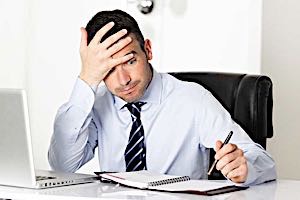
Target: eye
{"points": [[131, 62]]}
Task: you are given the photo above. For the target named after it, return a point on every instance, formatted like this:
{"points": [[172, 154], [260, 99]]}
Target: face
{"points": [[130, 80]]}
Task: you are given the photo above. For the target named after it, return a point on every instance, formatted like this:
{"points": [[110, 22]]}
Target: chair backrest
{"points": [[248, 98]]}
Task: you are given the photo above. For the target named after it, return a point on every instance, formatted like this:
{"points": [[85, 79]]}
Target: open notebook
{"points": [[169, 183]]}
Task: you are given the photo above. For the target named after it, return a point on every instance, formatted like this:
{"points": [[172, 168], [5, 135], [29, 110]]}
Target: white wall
{"points": [[203, 35], [281, 61], [226, 38], [213, 35], [12, 43]]}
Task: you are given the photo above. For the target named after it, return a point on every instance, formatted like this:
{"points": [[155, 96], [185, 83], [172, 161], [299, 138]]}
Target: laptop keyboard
{"points": [[40, 178]]}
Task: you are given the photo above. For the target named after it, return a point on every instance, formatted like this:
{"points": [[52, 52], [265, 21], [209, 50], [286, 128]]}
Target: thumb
{"points": [[83, 43], [218, 145]]}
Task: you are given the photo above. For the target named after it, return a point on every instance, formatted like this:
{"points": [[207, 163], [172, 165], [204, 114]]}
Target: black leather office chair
{"points": [[248, 98]]}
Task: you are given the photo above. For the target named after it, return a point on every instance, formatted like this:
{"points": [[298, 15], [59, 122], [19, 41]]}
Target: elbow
{"points": [[60, 164], [273, 173]]}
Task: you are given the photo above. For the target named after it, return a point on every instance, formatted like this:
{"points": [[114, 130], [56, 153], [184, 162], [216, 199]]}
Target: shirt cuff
{"points": [[251, 176], [83, 96]]}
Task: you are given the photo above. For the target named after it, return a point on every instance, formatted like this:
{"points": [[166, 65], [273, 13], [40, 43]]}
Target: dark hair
{"points": [[121, 19]]}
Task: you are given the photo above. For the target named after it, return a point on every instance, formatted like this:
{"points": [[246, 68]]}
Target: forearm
{"points": [[69, 148], [72, 142], [217, 123]]}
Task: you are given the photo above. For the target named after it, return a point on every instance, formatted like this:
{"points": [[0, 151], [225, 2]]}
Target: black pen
{"points": [[215, 162]]}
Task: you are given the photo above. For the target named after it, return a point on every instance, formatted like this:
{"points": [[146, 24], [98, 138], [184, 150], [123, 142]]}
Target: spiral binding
{"points": [[168, 181]]}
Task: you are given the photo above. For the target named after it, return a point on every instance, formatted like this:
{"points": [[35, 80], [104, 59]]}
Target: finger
{"points": [[218, 145], [225, 160], [114, 38], [117, 61], [239, 174], [226, 149], [230, 163], [97, 38], [119, 46], [83, 42]]}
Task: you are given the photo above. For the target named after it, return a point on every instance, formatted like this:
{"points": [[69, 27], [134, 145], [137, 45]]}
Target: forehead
{"points": [[133, 46]]}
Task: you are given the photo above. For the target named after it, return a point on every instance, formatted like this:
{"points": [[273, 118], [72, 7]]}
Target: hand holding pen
{"points": [[230, 160]]}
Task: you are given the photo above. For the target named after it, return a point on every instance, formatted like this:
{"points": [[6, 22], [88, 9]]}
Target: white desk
{"points": [[281, 189]]}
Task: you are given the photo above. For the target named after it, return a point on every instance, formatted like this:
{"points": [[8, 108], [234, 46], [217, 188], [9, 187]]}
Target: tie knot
{"points": [[135, 108]]}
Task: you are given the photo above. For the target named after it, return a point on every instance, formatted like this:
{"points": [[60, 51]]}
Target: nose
{"points": [[123, 76]]}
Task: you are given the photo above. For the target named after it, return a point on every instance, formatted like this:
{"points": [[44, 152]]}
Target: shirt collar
{"points": [[152, 94]]}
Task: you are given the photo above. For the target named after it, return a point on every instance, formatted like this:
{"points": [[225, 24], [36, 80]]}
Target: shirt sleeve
{"points": [[215, 123], [75, 134]]}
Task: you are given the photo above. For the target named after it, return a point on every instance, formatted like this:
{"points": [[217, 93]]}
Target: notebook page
{"points": [[196, 185], [140, 179]]}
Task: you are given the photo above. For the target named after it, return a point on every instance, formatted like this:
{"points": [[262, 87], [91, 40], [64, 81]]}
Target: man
{"points": [[142, 119]]}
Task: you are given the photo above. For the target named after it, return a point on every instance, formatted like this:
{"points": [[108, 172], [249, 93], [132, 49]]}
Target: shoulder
{"points": [[183, 88], [186, 97]]}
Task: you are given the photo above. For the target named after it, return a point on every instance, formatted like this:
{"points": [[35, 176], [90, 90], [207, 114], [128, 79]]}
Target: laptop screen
{"points": [[15, 144]]}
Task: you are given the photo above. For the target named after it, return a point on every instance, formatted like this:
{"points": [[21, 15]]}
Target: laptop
{"points": [[16, 158]]}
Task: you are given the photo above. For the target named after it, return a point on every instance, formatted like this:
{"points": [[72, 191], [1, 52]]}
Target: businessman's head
{"points": [[128, 80], [121, 19]]}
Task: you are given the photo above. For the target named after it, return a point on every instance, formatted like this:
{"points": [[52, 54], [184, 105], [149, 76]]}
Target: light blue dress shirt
{"points": [[181, 120]]}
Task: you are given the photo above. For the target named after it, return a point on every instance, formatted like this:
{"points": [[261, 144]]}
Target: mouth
{"points": [[128, 90]]}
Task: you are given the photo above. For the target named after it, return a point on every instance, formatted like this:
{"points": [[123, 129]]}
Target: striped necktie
{"points": [[135, 152]]}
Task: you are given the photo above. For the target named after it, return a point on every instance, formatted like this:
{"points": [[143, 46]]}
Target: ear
{"points": [[148, 49]]}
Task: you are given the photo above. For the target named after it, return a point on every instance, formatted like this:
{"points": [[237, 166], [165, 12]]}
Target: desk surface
{"points": [[281, 189]]}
